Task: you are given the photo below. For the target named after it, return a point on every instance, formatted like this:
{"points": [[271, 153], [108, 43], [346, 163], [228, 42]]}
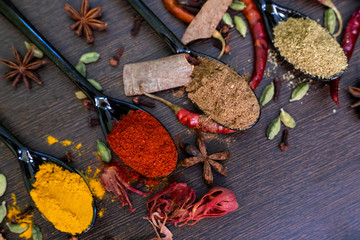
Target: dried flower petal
{"points": [[220, 156], [113, 180], [208, 176], [218, 167], [217, 202], [188, 162]]}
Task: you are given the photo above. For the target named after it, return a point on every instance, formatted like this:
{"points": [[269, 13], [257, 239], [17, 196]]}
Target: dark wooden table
{"points": [[309, 192]]}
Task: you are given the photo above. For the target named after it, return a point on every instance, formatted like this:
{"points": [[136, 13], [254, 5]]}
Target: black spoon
{"points": [[108, 109], [169, 37], [30, 161], [272, 15]]}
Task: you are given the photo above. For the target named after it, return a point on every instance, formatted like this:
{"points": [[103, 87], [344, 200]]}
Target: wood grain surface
{"points": [[311, 191]]}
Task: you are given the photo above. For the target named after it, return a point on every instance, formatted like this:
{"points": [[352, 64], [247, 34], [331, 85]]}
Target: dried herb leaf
{"points": [[89, 57], [37, 52], [81, 68], [3, 184], [3, 211], [188, 162], [330, 20], [17, 227], [95, 84], [36, 233], [103, 151], [237, 6], [80, 95], [299, 92], [227, 19], [287, 119], [240, 25], [218, 167], [274, 128], [267, 94]]}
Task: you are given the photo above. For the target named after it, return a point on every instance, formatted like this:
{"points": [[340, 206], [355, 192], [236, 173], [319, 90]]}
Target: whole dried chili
{"points": [[260, 41], [174, 8], [191, 119], [143, 144], [348, 44]]}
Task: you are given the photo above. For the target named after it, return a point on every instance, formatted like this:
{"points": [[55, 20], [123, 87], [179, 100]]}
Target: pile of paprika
{"points": [[143, 144]]}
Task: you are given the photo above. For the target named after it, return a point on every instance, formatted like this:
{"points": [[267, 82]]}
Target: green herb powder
{"points": [[309, 47]]}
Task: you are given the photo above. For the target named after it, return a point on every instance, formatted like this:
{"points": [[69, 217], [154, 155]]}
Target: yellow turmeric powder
{"points": [[63, 198]]}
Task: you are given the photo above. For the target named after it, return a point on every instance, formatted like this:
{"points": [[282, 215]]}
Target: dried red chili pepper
{"points": [[143, 144], [260, 41], [193, 120], [113, 180], [175, 9], [348, 44]]}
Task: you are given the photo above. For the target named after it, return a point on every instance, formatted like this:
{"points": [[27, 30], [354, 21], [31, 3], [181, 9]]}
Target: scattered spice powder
{"points": [[223, 95], [143, 144], [309, 47], [15, 215], [51, 140]]}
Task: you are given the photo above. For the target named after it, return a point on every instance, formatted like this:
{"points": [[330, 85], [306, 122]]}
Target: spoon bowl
{"points": [[174, 43], [272, 15], [30, 162]]}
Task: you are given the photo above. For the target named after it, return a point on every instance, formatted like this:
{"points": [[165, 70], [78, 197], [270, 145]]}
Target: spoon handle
{"points": [[159, 27], [11, 142], [17, 19]]}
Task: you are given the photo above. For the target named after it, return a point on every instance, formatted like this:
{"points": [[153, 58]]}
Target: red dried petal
{"points": [[217, 202], [113, 180], [172, 203]]}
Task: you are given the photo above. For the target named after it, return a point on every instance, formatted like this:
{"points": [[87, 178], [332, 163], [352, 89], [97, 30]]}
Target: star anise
{"points": [[22, 68], [200, 155], [86, 20], [355, 92]]}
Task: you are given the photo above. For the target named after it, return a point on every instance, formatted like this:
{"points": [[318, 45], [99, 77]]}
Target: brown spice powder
{"points": [[223, 95], [309, 47]]}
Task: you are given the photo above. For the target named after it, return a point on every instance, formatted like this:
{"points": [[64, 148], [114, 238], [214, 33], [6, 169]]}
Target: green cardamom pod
{"points": [[267, 94], [17, 227], [227, 19], [240, 25], [95, 84], [89, 57], [237, 5], [37, 52], [36, 233], [3, 211], [274, 128], [330, 20], [103, 151], [287, 119], [81, 68], [299, 92], [3, 184], [80, 95]]}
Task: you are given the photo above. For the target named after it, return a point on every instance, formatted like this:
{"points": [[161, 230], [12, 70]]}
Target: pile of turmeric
{"points": [[63, 198]]}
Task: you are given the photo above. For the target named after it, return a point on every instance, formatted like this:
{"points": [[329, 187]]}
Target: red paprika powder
{"points": [[143, 144]]}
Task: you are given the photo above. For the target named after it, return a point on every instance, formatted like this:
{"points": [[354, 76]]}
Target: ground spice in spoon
{"points": [[309, 47], [143, 144], [223, 95]]}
